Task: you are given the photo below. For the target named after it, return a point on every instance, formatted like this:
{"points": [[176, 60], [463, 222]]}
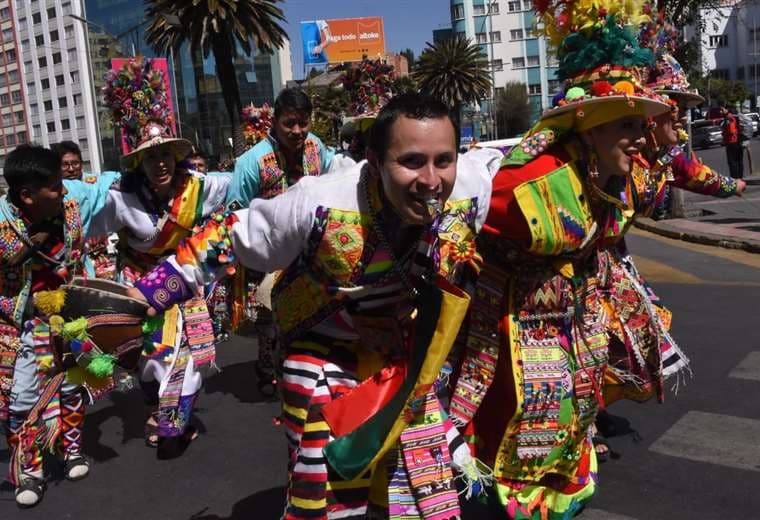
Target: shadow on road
{"points": [[265, 505], [239, 380], [128, 407]]}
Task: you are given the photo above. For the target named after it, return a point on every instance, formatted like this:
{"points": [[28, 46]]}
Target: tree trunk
{"points": [[225, 69]]}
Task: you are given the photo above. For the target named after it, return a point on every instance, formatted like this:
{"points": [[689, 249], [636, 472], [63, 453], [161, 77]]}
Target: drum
{"points": [[114, 320]]}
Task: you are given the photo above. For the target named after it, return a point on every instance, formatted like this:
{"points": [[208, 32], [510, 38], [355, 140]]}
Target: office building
{"points": [[503, 29], [45, 93], [202, 116], [729, 43]]}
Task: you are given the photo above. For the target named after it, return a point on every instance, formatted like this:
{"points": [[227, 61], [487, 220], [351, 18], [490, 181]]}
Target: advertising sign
{"points": [[345, 39]]}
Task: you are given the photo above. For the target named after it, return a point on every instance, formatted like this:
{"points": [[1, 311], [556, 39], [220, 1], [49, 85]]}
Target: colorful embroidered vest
{"points": [[344, 252], [274, 180], [16, 285]]}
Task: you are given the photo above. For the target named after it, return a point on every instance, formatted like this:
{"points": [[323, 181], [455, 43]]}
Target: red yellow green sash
{"points": [[186, 211]]}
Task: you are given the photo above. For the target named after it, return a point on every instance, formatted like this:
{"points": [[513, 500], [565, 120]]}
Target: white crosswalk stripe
{"points": [[749, 368], [724, 440]]}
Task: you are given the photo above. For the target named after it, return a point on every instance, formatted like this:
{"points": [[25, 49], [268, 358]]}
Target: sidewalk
{"points": [[732, 223]]}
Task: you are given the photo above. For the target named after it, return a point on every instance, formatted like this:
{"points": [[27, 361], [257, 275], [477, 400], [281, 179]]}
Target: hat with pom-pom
{"points": [[666, 77], [600, 62]]}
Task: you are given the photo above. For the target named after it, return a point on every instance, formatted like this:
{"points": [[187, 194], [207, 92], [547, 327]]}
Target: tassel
{"points": [[102, 365], [76, 329], [476, 476], [50, 302]]}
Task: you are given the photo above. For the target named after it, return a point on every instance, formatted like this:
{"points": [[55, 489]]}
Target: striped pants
{"points": [[313, 375]]}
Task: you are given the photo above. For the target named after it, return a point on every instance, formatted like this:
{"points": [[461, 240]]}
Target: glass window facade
{"points": [[202, 114]]}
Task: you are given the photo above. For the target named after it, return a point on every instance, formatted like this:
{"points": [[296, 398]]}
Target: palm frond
{"points": [[454, 70]]}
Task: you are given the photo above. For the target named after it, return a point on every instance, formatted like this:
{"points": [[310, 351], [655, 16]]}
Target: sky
{"points": [[408, 23]]}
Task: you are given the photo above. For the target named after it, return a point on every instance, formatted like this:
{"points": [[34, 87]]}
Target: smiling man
{"points": [[366, 309], [289, 152]]}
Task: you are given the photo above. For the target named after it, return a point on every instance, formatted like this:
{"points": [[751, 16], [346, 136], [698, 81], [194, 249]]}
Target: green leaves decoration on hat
{"points": [[610, 44]]}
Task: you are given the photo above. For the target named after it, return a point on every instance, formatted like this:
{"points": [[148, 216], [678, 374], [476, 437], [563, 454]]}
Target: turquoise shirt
{"points": [[258, 173]]}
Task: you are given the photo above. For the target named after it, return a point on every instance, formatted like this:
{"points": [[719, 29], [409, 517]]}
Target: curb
{"points": [[710, 239]]}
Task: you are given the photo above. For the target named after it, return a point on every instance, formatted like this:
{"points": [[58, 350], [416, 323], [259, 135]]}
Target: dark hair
{"points": [[65, 147], [292, 100], [412, 105], [199, 154], [30, 165]]}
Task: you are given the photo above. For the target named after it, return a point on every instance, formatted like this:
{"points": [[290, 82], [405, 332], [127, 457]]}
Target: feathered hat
{"points": [[136, 94], [600, 60], [666, 77]]}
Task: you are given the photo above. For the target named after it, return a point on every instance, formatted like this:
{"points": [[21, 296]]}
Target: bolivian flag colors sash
{"points": [[369, 420], [186, 211]]}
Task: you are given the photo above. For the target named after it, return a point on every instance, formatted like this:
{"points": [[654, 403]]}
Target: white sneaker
{"points": [[76, 468], [30, 493]]}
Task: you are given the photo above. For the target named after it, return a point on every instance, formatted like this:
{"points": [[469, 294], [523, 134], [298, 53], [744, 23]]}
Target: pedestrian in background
{"points": [[732, 142]]}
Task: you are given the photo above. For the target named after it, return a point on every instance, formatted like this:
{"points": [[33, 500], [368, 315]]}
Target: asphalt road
{"points": [[696, 456]]}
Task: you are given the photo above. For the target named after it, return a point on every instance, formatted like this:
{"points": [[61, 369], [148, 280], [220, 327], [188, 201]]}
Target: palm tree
{"points": [[220, 27], [454, 71]]}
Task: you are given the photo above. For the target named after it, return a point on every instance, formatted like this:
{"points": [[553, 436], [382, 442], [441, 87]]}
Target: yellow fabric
{"points": [[453, 309], [185, 218], [169, 332], [596, 114]]}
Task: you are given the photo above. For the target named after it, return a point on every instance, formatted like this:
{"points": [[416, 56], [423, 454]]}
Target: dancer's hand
{"points": [[740, 185], [135, 293]]}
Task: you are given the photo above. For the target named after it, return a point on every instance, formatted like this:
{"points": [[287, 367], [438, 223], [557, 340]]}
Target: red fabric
{"points": [[504, 216], [730, 129], [352, 410], [499, 404]]}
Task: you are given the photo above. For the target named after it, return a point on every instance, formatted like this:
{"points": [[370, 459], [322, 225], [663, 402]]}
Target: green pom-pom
{"points": [[101, 366], [152, 324], [575, 93], [76, 329]]}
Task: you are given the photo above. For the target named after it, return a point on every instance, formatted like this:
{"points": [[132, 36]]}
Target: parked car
{"points": [[755, 117], [706, 136]]}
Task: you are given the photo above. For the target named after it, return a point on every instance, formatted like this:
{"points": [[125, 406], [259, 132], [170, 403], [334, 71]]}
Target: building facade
{"points": [[202, 116], [729, 43], [15, 125], [54, 100], [504, 31]]}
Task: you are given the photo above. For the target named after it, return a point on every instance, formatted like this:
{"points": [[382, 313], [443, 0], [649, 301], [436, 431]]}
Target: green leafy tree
{"points": [[221, 27], [454, 71], [513, 110], [721, 92]]}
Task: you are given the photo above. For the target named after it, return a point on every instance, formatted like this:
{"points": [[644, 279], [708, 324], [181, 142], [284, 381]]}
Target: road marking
{"points": [[749, 368], [654, 272], [598, 514], [718, 439], [735, 255]]}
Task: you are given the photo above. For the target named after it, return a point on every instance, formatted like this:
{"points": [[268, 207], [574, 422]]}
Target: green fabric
{"points": [[556, 211], [350, 454], [608, 45]]}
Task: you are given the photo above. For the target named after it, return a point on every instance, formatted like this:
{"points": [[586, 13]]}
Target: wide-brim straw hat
{"points": [[668, 78], [156, 135]]}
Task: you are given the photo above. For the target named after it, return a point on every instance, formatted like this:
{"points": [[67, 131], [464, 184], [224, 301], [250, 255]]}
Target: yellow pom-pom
{"points": [[624, 87], [76, 329], [56, 324], [45, 364], [50, 302]]}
